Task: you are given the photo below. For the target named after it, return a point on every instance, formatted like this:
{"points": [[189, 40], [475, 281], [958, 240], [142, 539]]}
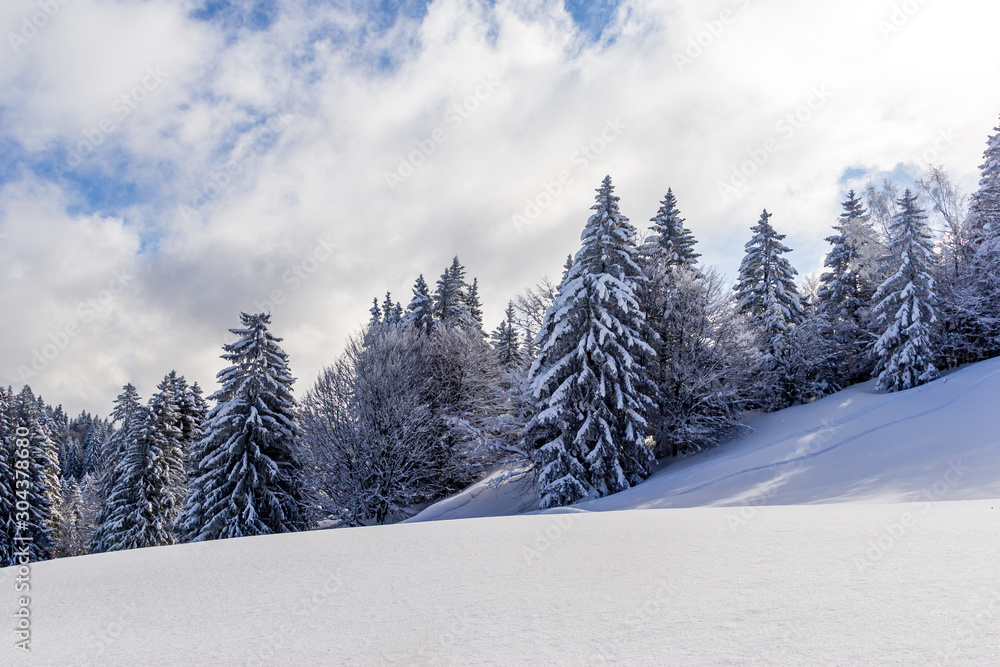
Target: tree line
{"points": [[638, 353]]}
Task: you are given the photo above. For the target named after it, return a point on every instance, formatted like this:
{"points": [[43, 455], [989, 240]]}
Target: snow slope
{"points": [[776, 568], [853, 446], [793, 585]]}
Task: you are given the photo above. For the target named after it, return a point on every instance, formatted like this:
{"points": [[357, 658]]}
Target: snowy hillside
{"points": [[876, 575], [940, 441]]}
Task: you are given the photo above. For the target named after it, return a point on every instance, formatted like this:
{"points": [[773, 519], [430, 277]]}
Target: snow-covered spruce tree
{"points": [[451, 298], [845, 290], [506, 342], [37, 470], [985, 209], [905, 304], [112, 450], [249, 477], [767, 295], [592, 393], [392, 313], [984, 265], [8, 486], [671, 243], [167, 411], [475, 308], [71, 536], [420, 311], [142, 505]]}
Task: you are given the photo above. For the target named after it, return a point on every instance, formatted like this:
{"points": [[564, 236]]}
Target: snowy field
{"points": [[860, 529]]}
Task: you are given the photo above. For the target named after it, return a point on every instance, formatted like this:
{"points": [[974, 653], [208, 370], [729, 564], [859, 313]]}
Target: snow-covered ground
{"points": [[861, 529], [853, 446]]}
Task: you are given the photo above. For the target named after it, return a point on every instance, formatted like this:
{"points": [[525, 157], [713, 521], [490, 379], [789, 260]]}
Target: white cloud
{"points": [[321, 173]]}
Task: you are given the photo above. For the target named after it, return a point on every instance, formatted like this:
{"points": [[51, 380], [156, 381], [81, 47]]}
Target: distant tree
{"points": [[420, 311], [506, 342]]}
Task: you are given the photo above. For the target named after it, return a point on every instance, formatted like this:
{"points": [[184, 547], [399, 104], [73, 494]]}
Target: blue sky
{"points": [[207, 151]]}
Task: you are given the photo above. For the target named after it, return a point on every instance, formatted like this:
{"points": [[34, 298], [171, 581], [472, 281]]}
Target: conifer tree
{"points": [[845, 291], [142, 505], [588, 431], [766, 294], [451, 298], [984, 268], [420, 311], [985, 210], [475, 307], [8, 486], [672, 244], [506, 342], [248, 474], [905, 304], [36, 528]]}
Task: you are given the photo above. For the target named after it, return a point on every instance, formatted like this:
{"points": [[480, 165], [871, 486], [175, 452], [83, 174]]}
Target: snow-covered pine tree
{"points": [[905, 304], [840, 292], [985, 209], [588, 433], [845, 290], [420, 311], [249, 476], [142, 505], [475, 307], [671, 243], [767, 295], [392, 313], [28, 426], [166, 411], [451, 298], [984, 266], [8, 487], [506, 342], [112, 450]]}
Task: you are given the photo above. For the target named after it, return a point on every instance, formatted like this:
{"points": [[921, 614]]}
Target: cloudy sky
{"points": [[165, 164]]}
